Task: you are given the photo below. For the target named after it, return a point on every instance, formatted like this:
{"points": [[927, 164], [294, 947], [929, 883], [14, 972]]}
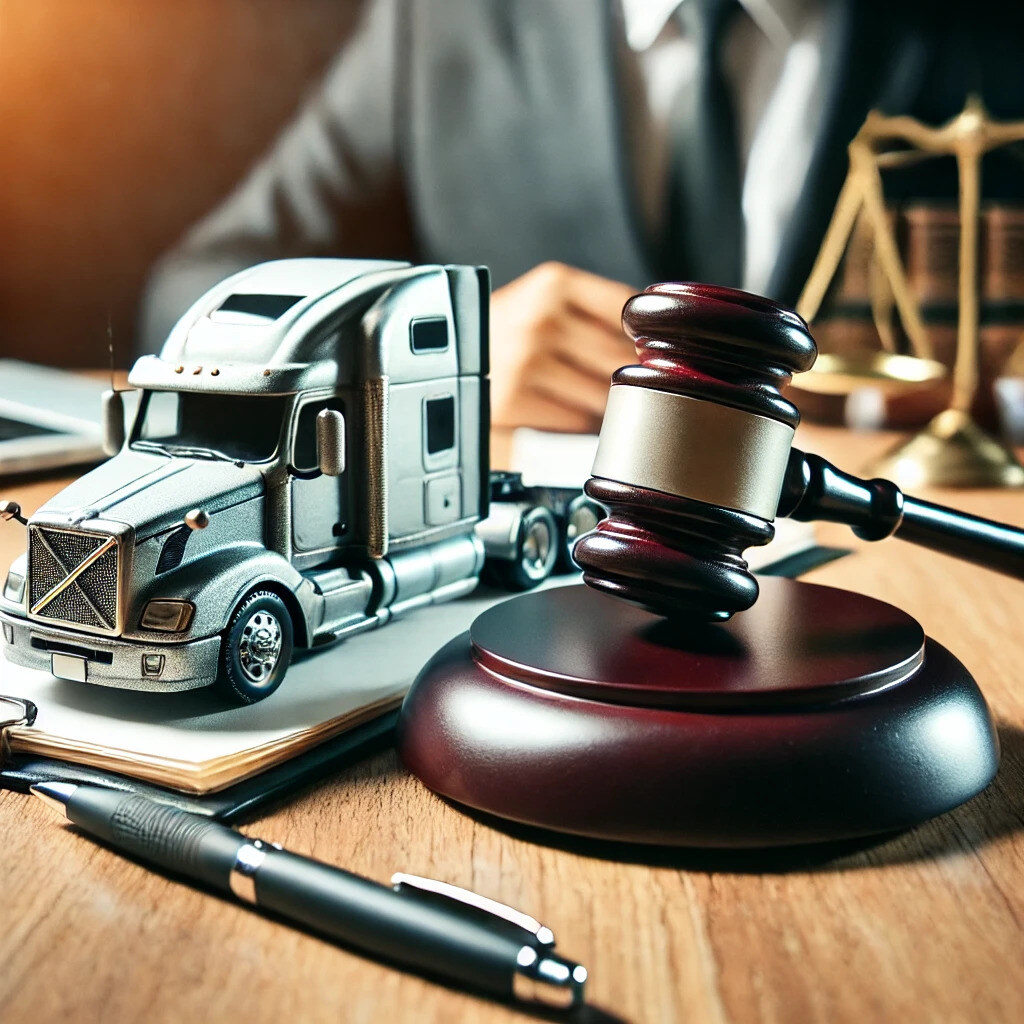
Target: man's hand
{"points": [[556, 339]]}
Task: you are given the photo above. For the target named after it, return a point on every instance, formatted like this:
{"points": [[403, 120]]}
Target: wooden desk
{"points": [[928, 926]]}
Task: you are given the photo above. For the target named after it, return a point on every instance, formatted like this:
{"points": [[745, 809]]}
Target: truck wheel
{"points": [[536, 552], [581, 517], [257, 648]]}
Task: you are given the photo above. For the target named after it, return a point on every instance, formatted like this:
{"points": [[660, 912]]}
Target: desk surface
{"points": [[928, 926]]}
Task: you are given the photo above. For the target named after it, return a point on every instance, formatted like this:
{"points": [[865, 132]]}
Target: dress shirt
{"points": [[772, 61]]}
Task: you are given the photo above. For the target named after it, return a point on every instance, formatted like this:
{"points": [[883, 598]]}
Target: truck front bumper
{"points": [[161, 668]]}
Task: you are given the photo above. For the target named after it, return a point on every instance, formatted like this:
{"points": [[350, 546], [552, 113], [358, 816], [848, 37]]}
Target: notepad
{"points": [[193, 743]]}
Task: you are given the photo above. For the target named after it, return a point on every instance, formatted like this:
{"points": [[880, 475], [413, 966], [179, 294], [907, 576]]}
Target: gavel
{"points": [[695, 461]]}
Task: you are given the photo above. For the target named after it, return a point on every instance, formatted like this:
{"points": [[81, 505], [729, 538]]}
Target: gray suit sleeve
{"points": [[331, 185]]}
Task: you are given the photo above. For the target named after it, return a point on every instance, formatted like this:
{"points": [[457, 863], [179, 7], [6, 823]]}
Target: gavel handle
{"points": [[813, 489]]}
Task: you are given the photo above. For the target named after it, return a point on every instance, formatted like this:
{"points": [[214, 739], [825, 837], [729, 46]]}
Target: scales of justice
{"points": [[952, 450]]}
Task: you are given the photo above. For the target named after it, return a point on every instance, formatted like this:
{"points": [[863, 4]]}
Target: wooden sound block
{"points": [[819, 714]]}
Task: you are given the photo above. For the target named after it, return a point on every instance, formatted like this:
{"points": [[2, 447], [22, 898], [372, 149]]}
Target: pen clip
{"points": [[416, 885]]}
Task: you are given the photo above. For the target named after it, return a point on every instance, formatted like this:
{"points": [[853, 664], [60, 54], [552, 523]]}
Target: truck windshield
{"points": [[236, 428]]}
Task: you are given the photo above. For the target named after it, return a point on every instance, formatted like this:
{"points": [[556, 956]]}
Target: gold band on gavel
{"points": [[693, 449]]}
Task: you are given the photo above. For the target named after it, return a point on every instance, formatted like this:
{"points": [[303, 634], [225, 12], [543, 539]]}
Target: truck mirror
{"points": [[113, 422], [330, 442], [197, 519], [12, 510]]}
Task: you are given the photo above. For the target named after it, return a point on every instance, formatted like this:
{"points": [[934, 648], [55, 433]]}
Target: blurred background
{"points": [[122, 122]]}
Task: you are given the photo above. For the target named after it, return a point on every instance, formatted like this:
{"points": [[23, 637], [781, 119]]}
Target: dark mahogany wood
{"points": [[803, 644], [719, 344], [572, 711], [672, 554]]}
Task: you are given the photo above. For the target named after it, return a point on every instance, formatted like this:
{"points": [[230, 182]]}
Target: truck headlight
{"points": [[168, 616], [14, 588]]}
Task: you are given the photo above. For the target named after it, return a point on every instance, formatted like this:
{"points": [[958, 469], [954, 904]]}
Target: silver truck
{"points": [[308, 460]]}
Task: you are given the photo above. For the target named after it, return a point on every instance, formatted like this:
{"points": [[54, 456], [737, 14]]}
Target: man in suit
{"points": [[582, 149]]}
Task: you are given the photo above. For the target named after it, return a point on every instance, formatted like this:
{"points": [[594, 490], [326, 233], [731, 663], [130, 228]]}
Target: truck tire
{"points": [[537, 545], [257, 648], [581, 516]]}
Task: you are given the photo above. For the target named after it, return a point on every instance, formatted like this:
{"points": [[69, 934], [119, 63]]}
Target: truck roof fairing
{"points": [[266, 329]]}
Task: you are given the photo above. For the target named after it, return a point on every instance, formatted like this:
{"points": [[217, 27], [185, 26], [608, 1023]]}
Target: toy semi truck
{"points": [[309, 459]]}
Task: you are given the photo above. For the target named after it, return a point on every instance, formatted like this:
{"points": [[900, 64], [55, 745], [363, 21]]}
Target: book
{"points": [[927, 234]]}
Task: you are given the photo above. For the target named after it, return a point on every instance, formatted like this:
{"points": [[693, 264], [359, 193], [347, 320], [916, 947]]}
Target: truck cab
{"points": [[308, 460]]}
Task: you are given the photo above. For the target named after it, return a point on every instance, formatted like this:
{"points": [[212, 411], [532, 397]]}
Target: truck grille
{"points": [[73, 578]]}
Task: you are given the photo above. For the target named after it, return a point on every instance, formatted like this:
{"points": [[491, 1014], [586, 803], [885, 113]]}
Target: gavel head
{"points": [[693, 449]]}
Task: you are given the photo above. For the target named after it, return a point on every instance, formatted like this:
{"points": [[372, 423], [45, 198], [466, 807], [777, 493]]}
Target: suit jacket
{"points": [[492, 131]]}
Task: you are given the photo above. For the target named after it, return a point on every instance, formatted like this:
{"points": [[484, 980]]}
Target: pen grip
{"points": [[156, 833], [371, 917]]}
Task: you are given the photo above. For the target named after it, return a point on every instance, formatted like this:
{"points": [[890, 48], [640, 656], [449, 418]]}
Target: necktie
{"points": [[704, 231]]}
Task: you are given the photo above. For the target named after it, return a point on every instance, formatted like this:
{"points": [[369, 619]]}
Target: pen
{"points": [[418, 923]]}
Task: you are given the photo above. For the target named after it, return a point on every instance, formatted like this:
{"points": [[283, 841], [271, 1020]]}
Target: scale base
{"points": [[951, 451], [818, 715]]}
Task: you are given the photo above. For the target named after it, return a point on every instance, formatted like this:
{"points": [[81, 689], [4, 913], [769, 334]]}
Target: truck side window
{"points": [[440, 424], [429, 334], [304, 446]]}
